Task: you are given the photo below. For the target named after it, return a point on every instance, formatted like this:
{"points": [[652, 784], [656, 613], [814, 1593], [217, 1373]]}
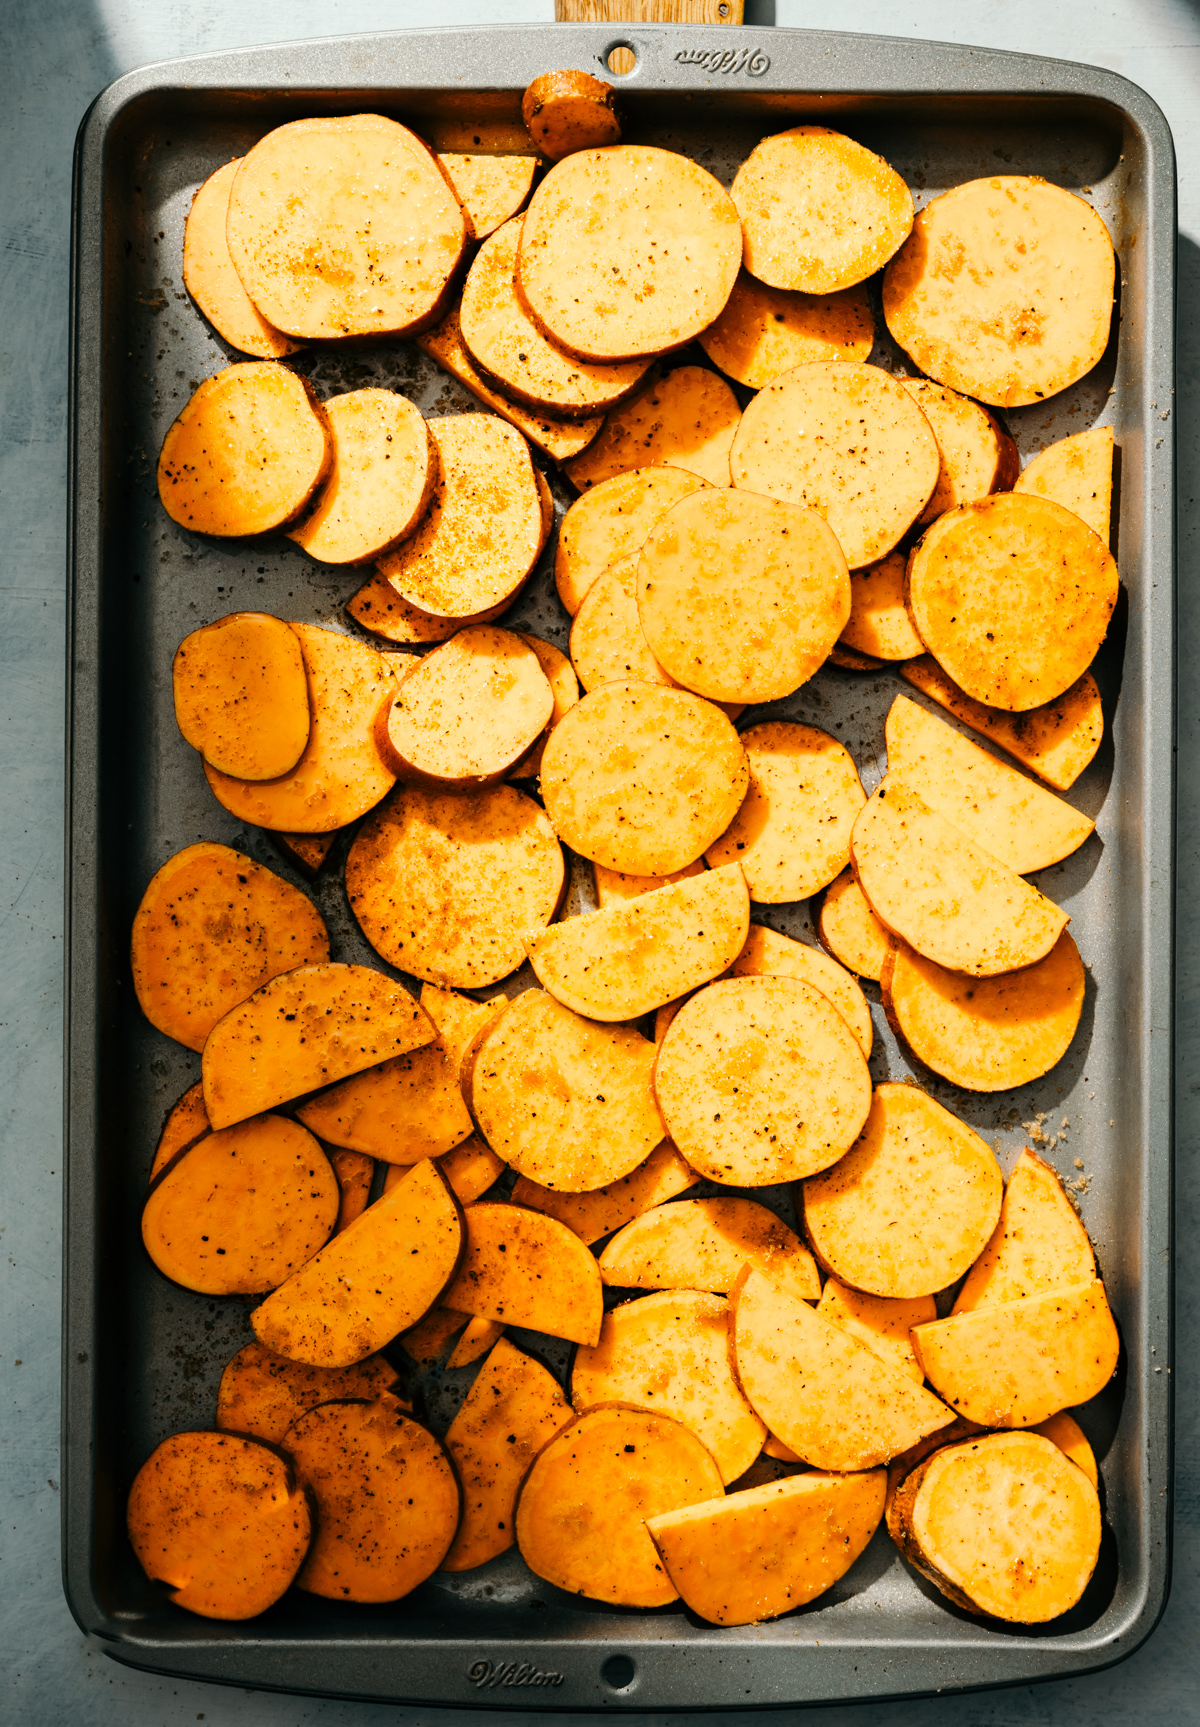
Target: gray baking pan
{"points": [[142, 1358]]}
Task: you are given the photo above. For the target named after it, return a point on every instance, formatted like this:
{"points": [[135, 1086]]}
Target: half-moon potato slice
{"points": [[402, 1111], [600, 1211], [187, 1122], [764, 332], [1039, 1242], [978, 456], [1077, 473], [525, 1269], [769, 954], [491, 189], [849, 929], [262, 1393], [1056, 741], [703, 1244], [884, 1325], [879, 626], [685, 420]]}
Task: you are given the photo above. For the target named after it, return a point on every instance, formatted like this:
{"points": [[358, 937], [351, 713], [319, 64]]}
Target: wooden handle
{"points": [[648, 11]]}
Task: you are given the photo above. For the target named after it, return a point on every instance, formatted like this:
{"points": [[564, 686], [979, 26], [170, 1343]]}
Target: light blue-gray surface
{"points": [[57, 54]]}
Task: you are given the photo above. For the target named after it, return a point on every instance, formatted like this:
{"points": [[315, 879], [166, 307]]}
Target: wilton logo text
{"points": [[487, 1674], [749, 60]]}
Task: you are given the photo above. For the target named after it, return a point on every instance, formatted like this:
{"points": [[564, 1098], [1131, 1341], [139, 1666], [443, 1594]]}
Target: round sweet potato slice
{"points": [[247, 453], [610, 522], [685, 420], [521, 1268], [568, 111], [847, 441], [262, 1393], [187, 1122], [599, 1212], [241, 696], [849, 929], [212, 281], [323, 227], [703, 1244], [491, 189], [220, 1519], [760, 1080], [879, 622], [582, 1510], [214, 926], [1012, 597], [978, 456], [627, 251], [912, 1203], [380, 485], [819, 211], [769, 954], [445, 885], [1004, 289], [764, 332]]}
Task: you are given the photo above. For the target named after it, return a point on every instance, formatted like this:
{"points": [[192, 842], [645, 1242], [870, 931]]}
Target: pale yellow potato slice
{"points": [[596, 1214], [1064, 1431], [911, 1205], [930, 885], [832, 1400], [1056, 741], [764, 332], [614, 887], [670, 1353], [883, 1324], [525, 1269], [491, 189], [381, 483], [977, 454], [879, 624], [685, 420], [212, 281], [607, 642], [850, 930], [610, 522], [1076, 472], [792, 832], [760, 1080], [1039, 1242], [564, 688], [769, 954], [703, 1244], [403, 1110], [779, 1452]]}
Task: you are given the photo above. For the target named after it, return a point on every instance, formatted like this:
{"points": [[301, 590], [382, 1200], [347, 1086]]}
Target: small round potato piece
{"points": [[212, 281], [764, 332], [879, 622], [241, 696], [849, 929], [568, 111], [384, 470]]}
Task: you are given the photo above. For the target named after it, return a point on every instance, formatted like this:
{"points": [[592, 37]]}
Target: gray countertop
{"points": [[58, 55]]}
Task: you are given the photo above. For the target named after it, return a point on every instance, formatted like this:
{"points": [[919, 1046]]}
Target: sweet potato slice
{"points": [[880, 627], [429, 1339], [459, 1020], [946, 897], [187, 1122], [340, 776], [769, 954], [378, 607], [212, 927], [592, 276], [1012, 597], [849, 660], [610, 522], [1039, 1242], [445, 884], [322, 221], [641, 779], [491, 189], [846, 440], [835, 1402], [1013, 1363], [371, 1281], [564, 688], [477, 1338], [820, 212], [849, 928], [221, 1520], [402, 1111], [779, 1452], [1004, 289], [763, 1551], [607, 642], [568, 111], [380, 485], [791, 834], [760, 1080], [1056, 741], [561, 1099], [619, 963], [212, 281], [986, 1034], [703, 1244], [355, 1172], [978, 456], [912, 1203], [241, 696], [309, 1028], [741, 597], [685, 420], [471, 1168], [387, 1498], [764, 332], [1064, 1431], [263, 1394], [525, 1269], [614, 887], [902, 1466], [597, 1213], [883, 1325], [1076, 473], [308, 853], [1003, 1525], [482, 533]]}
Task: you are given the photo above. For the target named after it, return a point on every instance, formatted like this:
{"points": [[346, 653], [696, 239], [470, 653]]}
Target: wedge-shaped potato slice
{"points": [[764, 332], [308, 853], [564, 688], [378, 607], [471, 1168], [596, 1214], [373, 1280], [459, 1019], [879, 627], [582, 1509], [685, 420], [514, 1408], [759, 1080], [341, 775], [212, 281], [355, 1172], [835, 1402], [622, 962], [883, 1325], [382, 479], [446, 884], [978, 456], [1014, 1363], [610, 522], [781, 1453], [1064, 1431], [608, 644], [221, 1520], [491, 189], [986, 1033], [477, 1338], [643, 780], [1039, 1242], [569, 111], [912, 1203], [406, 1109], [1056, 741], [262, 1393], [430, 1338], [1003, 1525], [241, 697], [528, 1270], [561, 1099], [792, 832], [187, 1122], [212, 927], [849, 660], [849, 928], [769, 954], [945, 896], [762, 1551], [1004, 812], [387, 1498], [614, 887], [703, 1244], [1076, 473]]}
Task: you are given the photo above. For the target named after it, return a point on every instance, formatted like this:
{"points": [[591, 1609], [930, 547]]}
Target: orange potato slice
{"points": [[764, 332], [246, 454], [459, 1020], [528, 1270], [477, 1338], [444, 884], [1076, 472], [1064, 1431], [429, 1339], [591, 274], [564, 688], [610, 522], [849, 928], [911, 1205], [879, 625], [607, 642], [471, 1168], [308, 853], [760, 1080], [614, 887], [569, 111], [263, 1394], [847, 441], [364, 507], [212, 281], [685, 420], [703, 1244], [241, 696], [355, 1172], [404, 1110], [1004, 290], [221, 1520], [977, 455], [1039, 1242], [490, 189], [378, 607], [848, 660], [769, 954], [791, 834], [902, 1466], [819, 211], [595, 1214], [1056, 741], [187, 1122], [884, 1325], [213, 926]]}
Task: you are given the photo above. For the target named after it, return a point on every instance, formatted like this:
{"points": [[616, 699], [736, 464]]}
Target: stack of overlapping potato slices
{"points": [[571, 1130]]}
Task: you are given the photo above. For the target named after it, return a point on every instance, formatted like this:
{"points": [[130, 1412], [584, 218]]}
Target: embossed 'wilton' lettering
{"points": [[749, 60], [487, 1674]]}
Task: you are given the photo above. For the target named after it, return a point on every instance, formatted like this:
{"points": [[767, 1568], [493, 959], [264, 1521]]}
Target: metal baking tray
{"points": [[141, 1356]]}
